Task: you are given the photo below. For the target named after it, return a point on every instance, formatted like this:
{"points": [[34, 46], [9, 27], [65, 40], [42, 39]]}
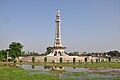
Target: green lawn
{"points": [[14, 73], [80, 65]]}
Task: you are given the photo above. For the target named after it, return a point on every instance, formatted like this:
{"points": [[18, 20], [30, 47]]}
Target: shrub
{"points": [[33, 66], [45, 59], [15, 61], [91, 61], [10, 60], [20, 60], [67, 61], [109, 59], [33, 59], [96, 60], [53, 61], [74, 60], [85, 59], [61, 60]]}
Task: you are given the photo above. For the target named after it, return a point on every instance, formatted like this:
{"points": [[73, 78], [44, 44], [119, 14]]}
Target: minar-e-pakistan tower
{"points": [[57, 49]]}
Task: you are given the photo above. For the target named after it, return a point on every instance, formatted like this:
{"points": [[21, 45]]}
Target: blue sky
{"points": [[87, 25]]}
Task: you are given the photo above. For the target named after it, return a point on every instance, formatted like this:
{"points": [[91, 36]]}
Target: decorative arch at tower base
{"points": [[57, 51]]}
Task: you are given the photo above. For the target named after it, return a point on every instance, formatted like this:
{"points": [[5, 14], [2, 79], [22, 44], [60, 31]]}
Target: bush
{"points": [[1, 57], [67, 61], [9, 60], [109, 59], [33, 59], [91, 61], [96, 60], [85, 59], [20, 60], [79, 61], [15, 61], [33, 66], [61, 60], [53, 61], [45, 59], [74, 60]]}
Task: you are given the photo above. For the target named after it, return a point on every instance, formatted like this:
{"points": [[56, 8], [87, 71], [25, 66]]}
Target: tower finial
{"points": [[58, 11]]}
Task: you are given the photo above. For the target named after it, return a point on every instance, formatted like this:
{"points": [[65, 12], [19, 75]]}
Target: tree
{"points": [[15, 49], [49, 50], [61, 60], [85, 59], [33, 59], [3, 55], [45, 59], [109, 59], [74, 60], [114, 53]]}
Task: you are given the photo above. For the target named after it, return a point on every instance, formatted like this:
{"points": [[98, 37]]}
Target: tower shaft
{"points": [[57, 42]]}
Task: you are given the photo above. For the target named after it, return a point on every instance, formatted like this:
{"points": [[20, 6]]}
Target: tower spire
{"points": [[57, 42]]}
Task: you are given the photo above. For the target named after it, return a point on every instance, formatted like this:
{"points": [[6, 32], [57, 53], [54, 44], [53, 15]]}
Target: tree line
{"points": [[15, 50], [95, 54]]}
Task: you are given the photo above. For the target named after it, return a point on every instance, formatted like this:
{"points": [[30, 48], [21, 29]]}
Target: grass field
{"points": [[14, 73], [80, 65]]}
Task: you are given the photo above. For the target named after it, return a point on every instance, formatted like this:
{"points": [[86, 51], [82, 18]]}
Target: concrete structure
{"points": [[56, 59], [57, 49]]}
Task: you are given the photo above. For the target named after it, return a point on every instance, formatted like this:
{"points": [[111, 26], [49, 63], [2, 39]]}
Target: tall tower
{"points": [[57, 49], [57, 42]]}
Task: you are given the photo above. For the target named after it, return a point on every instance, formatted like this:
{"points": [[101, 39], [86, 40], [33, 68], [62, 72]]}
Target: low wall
{"points": [[57, 59]]}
